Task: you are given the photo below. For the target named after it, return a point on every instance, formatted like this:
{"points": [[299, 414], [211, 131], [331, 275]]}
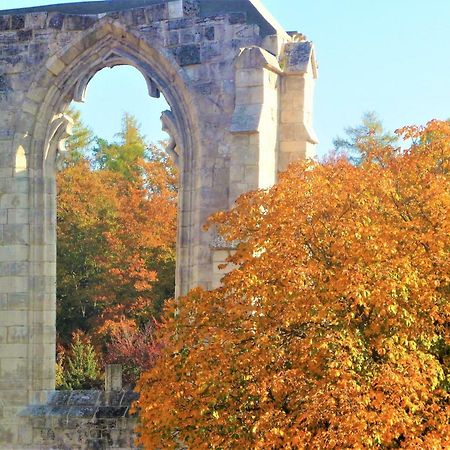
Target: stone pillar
{"points": [[240, 89], [272, 124], [254, 128], [28, 277], [15, 313], [255, 122], [297, 139], [113, 377]]}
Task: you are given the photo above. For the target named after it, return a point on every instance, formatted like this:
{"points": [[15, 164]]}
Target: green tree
{"points": [[80, 369], [370, 133], [79, 144], [122, 156]]}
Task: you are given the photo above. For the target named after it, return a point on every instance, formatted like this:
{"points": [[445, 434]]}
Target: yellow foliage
{"points": [[333, 330]]}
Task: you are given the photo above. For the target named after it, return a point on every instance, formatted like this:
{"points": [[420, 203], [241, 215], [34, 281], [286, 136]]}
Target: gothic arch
{"points": [[66, 75], [65, 78]]}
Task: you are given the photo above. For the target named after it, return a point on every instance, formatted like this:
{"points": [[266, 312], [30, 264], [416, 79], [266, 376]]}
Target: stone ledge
{"points": [[242, 11], [90, 404]]}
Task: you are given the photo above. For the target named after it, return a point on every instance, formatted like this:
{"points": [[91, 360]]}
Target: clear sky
{"points": [[389, 56]]}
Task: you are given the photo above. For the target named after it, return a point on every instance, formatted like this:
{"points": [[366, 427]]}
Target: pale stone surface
{"points": [[80, 420], [241, 94], [113, 377]]}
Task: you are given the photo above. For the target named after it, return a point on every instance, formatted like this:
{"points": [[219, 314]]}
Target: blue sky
{"points": [[390, 56]]}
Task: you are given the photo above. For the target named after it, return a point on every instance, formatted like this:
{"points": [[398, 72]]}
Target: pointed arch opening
{"points": [[65, 78]]}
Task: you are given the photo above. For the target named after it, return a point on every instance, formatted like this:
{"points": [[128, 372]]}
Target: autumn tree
{"points": [[116, 238], [333, 329], [135, 349]]}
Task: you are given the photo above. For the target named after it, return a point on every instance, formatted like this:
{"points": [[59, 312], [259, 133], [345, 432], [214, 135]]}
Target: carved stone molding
{"points": [[169, 125], [60, 129], [116, 57]]}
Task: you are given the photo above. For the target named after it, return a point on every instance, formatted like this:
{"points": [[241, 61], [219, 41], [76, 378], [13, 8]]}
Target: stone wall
{"points": [[82, 420], [240, 91]]}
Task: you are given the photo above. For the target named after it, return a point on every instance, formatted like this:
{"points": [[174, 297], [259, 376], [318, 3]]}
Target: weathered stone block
{"points": [[13, 253], [111, 398], [85, 412], [59, 398], [4, 85], [17, 216], [14, 368], [55, 65], [5, 23], [43, 370], [8, 432], [77, 22], [18, 335], [14, 284], [13, 318], [3, 334], [250, 78], [56, 21], [10, 201], [18, 302], [111, 412], [17, 22], [113, 377], [36, 20], [294, 83], [188, 55], [249, 95], [210, 33], [155, 13], [84, 398], [16, 234], [237, 18], [210, 51], [13, 349], [246, 118], [13, 268], [24, 35]]}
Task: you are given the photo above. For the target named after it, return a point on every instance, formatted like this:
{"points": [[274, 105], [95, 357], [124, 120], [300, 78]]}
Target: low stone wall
{"points": [[83, 420]]}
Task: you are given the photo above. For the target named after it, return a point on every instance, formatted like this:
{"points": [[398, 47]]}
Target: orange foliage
{"points": [[333, 330], [113, 235]]}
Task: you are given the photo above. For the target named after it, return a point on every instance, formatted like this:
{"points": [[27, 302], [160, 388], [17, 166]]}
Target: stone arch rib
{"points": [[67, 74]]}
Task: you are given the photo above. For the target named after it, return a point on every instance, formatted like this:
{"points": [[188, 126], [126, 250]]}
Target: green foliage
{"points": [[79, 370], [79, 143], [370, 133], [122, 156]]}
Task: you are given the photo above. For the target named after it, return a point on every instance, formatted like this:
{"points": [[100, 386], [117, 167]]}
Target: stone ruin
{"points": [[240, 89]]}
